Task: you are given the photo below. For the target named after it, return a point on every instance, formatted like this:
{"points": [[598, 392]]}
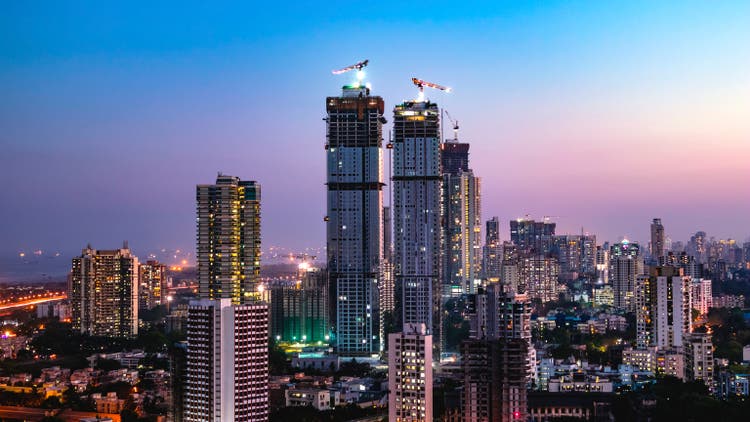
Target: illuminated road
{"points": [[29, 302]]}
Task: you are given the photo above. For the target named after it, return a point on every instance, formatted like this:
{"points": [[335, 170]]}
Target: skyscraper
{"points": [[104, 292], [410, 374], [416, 211], [227, 362], [354, 226], [492, 253], [657, 239], [663, 311], [229, 239], [625, 264], [461, 221], [227, 329], [387, 287]]}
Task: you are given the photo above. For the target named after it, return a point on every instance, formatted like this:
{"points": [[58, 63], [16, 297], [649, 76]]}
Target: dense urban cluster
{"points": [[420, 311]]}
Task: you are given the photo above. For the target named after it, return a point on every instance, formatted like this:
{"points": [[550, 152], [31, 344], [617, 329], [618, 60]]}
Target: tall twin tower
{"points": [[359, 275]]}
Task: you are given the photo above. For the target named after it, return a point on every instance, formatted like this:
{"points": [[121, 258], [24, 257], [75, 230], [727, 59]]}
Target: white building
{"points": [[410, 374], [226, 374], [318, 398], [663, 313]]}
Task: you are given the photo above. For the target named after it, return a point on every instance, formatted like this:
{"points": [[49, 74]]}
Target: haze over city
{"points": [[603, 115]]}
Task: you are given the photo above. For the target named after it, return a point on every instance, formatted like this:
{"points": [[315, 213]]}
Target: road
{"points": [[22, 413], [29, 302]]}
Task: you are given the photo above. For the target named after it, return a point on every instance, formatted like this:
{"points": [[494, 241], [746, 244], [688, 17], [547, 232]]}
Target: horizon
{"points": [[604, 115]]}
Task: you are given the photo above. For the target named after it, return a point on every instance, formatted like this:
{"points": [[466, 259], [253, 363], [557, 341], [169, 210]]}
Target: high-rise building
{"points": [[657, 239], [315, 321], [538, 277], [103, 292], [625, 264], [354, 229], [461, 221], [229, 239], [532, 237], [410, 374], [697, 247], [226, 373], [495, 379], [226, 377], [602, 263], [298, 308], [699, 359], [416, 211], [152, 288], [492, 253], [387, 287], [663, 313]]}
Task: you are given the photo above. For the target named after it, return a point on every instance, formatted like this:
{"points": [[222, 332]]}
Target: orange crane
{"points": [[422, 83], [359, 66]]}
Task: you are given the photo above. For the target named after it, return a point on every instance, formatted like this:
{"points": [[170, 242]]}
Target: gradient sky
{"points": [[605, 114]]}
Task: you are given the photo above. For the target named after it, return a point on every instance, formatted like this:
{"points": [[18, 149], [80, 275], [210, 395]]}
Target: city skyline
{"points": [[644, 103]]}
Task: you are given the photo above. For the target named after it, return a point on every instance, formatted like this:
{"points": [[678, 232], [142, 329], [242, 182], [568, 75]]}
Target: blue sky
{"points": [[603, 113]]}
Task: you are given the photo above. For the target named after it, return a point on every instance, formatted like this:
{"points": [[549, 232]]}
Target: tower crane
{"points": [[454, 122], [357, 66], [422, 83]]}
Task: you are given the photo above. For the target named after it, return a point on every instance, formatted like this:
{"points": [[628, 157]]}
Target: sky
{"points": [[603, 114]]}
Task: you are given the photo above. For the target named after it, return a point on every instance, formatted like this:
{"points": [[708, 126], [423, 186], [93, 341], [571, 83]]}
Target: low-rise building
{"points": [[581, 383], [318, 398]]}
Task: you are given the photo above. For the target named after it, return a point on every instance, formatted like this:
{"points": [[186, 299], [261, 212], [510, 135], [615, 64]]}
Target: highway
{"points": [[29, 302]]}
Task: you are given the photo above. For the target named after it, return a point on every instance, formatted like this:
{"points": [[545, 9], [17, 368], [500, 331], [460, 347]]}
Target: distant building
{"points": [[702, 296], [625, 265], [152, 287], [539, 276], [532, 237], [59, 310], [461, 217], [492, 253], [575, 253], [657, 239], [728, 301], [104, 292], [410, 374]]}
